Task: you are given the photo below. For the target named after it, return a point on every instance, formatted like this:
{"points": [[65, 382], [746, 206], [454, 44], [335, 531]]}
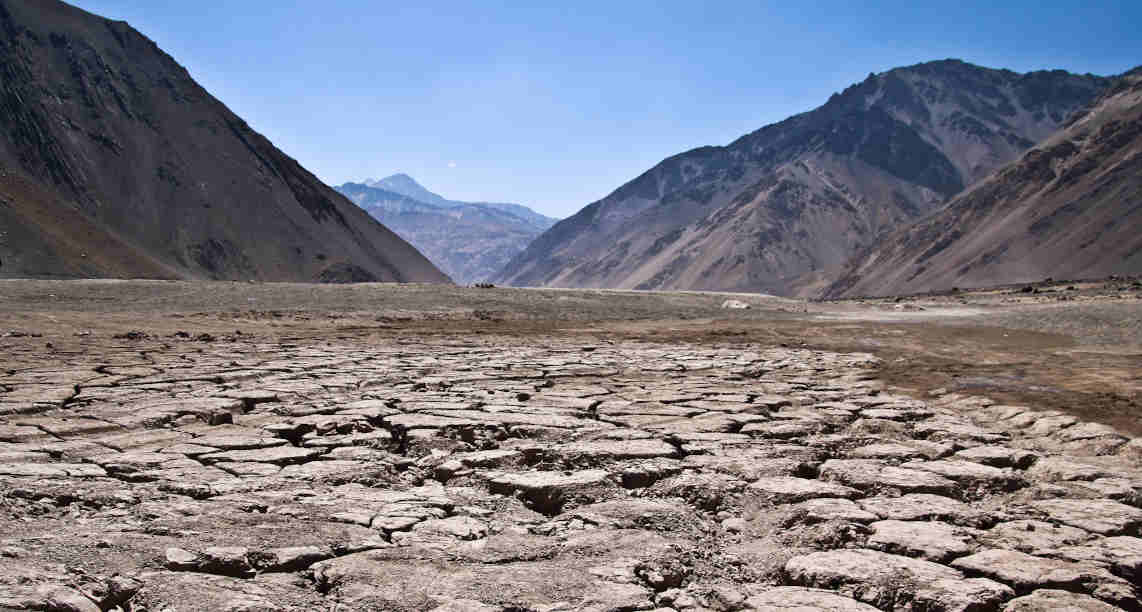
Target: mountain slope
{"points": [[1069, 208], [114, 162], [468, 241], [782, 209]]}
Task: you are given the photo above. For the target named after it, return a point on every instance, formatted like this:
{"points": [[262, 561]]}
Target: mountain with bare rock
{"points": [[114, 162], [469, 241], [1069, 208], [781, 210]]}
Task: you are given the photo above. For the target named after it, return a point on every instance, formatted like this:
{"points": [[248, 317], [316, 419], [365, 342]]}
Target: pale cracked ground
{"points": [[507, 473]]}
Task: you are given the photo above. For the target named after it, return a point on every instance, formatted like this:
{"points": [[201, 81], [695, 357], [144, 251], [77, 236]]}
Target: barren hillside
{"points": [[1070, 208], [114, 162], [782, 209]]}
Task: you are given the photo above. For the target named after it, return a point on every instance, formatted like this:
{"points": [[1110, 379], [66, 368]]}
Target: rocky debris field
{"points": [[498, 473]]}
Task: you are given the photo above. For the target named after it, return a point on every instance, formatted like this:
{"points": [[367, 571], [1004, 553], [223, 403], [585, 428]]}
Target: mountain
{"points": [[407, 186], [1069, 208], [470, 241], [782, 209], [114, 162]]}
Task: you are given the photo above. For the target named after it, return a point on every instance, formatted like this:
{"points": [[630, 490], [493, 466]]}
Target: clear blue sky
{"points": [[555, 105]]}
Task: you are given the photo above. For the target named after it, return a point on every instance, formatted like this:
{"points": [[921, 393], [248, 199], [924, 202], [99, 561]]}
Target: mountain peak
{"points": [[407, 186]]}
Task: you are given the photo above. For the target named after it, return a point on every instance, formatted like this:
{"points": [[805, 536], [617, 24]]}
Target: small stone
{"points": [[1100, 516], [1027, 572], [179, 559], [800, 599], [289, 559], [788, 489], [1051, 600], [886, 579], [926, 540]]}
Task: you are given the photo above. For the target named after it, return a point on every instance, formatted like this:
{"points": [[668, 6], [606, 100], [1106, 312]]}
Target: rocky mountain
{"points": [[782, 209], [470, 241], [114, 162], [1069, 208], [407, 186]]}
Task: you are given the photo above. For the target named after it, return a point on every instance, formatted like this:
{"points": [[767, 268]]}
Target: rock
{"points": [[583, 454], [1034, 537], [1121, 554], [788, 490], [550, 492], [800, 599], [924, 507], [926, 540], [783, 430], [876, 475], [64, 599], [641, 474], [887, 580], [288, 559], [178, 559], [942, 429], [887, 451], [1055, 469], [1050, 600], [970, 474], [238, 441], [706, 491], [999, 456], [278, 455], [183, 590], [226, 561], [829, 509], [458, 527], [750, 468], [1026, 573], [1096, 515], [465, 605]]}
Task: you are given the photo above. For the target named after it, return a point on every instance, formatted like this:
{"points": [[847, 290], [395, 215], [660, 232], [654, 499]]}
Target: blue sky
{"points": [[555, 105]]}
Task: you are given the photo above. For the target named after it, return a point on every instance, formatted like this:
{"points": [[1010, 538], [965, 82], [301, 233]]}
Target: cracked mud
{"points": [[546, 473]]}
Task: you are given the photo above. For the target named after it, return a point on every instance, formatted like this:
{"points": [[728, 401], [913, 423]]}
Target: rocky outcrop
{"points": [[115, 163], [782, 209]]}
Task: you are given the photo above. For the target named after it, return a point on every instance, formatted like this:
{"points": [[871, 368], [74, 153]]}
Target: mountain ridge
{"points": [[782, 208], [470, 241], [1068, 208], [406, 185]]}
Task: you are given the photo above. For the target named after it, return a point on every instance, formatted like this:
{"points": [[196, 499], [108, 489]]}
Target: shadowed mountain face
{"points": [[1069, 208], [114, 162], [782, 209], [469, 241]]}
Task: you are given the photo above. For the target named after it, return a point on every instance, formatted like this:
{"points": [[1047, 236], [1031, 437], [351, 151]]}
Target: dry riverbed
{"points": [[234, 446]]}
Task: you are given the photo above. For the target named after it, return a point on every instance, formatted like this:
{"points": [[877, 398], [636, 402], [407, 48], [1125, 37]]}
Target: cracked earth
{"points": [[540, 472]]}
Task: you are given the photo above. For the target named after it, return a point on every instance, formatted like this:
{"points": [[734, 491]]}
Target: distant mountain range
{"points": [[783, 209], [115, 163], [469, 241], [1069, 208]]}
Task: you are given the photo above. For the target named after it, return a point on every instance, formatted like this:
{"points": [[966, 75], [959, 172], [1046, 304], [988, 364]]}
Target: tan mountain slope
{"points": [[782, 209], [114, 162], [1069, 208]]}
